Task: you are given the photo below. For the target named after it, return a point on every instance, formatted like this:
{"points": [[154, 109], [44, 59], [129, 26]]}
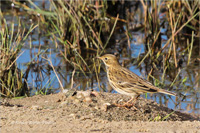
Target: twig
{"points": [[51, 64]]}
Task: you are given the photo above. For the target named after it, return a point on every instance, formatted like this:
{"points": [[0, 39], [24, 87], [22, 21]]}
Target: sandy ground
{"points": [[91, 112]]}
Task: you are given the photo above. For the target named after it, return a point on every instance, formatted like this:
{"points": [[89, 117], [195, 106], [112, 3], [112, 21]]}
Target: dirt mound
{"points": [[79, 111]]}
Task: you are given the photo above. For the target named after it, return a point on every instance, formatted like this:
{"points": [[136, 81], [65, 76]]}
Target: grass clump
{"points": [[12, 83]]}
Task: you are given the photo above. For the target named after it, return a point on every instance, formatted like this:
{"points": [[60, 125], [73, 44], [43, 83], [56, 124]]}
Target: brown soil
{"points": [[91, 112]]}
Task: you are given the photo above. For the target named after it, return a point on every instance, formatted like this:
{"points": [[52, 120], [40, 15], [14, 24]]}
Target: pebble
{"points": [[105, 106], [36, 107]]}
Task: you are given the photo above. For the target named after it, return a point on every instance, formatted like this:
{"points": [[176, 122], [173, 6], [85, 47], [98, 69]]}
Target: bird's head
{"points": [[109, 60]]}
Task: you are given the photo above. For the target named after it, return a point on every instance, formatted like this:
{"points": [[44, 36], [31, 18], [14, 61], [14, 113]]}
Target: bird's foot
{"points": [[126, 105]]}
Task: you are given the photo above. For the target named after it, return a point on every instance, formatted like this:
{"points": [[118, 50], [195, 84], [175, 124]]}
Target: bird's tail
{"points": [[167, 92]]}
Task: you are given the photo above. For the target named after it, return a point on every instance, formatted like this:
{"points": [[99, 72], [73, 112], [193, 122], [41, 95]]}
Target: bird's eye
{"points": [[106, 58]]}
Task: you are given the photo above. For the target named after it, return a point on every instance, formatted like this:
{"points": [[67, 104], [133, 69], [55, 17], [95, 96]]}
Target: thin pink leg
{"points": [[127, 105]]}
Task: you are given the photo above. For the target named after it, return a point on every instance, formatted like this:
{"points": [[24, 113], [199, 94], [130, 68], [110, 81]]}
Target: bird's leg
{"points": [[127, 104]]}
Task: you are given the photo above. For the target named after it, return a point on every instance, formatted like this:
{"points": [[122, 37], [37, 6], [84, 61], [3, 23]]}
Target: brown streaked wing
{"points": [[135, 82]]}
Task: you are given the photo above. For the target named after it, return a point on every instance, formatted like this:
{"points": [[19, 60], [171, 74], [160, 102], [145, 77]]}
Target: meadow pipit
{"points": [[126, 82]]}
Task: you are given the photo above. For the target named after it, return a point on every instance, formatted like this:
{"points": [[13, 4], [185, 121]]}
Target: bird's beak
{"points": [[99, 57]]}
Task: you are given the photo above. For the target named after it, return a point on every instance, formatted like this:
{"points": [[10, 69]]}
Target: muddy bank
{"points": [[86, 112]]}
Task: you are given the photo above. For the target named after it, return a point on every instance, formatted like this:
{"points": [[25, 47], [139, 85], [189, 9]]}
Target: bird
{"points": [[126, 82]]}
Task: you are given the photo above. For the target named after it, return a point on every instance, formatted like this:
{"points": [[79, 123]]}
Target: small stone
{"points": [[71, 92], [87, 99], [59, 100], [95, 93], [96, 107], [63, 103], [79, 95], [73, 116], [105, 106], [36, 107], [14, 107], [76, 101], [86, 93]]}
